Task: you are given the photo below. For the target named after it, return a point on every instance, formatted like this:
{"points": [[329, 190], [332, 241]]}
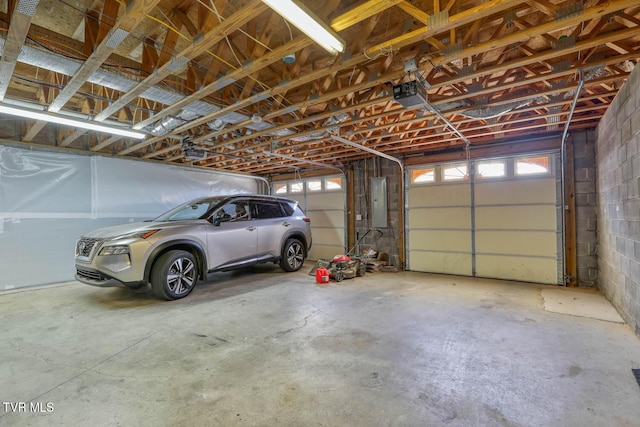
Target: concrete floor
{"points": [[268, 348]]}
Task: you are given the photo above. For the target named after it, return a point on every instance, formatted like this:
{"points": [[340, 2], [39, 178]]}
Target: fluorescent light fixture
{"points": [[56, 118], [301, 17]]}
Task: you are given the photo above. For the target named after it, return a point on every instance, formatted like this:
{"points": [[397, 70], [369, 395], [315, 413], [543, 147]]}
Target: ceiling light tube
{"points": [[301, 17], [53, 118]]}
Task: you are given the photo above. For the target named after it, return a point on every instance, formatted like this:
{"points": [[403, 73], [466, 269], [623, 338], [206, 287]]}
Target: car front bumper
{"points": [[93, 277]]}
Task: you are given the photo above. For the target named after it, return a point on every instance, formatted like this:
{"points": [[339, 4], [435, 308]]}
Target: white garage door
{"points": [[323, 200], [503, 225]]}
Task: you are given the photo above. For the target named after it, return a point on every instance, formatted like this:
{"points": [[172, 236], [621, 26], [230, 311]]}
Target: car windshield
{"points": [[195, 209]]}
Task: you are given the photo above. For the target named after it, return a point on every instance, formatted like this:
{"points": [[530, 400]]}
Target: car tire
{"points": [[174, 275], [292, 255]]}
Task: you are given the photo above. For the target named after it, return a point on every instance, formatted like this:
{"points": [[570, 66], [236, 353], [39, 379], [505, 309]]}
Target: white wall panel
{"points": [[48, 199]]}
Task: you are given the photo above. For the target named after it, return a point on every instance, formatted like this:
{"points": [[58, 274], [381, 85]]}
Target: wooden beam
{"points": [[218, 33], [361, 12], [462, 18], [127, 23], [21, 17]]}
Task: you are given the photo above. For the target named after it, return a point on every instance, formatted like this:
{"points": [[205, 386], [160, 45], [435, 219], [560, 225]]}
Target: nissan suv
{"points": [[178, 248]]}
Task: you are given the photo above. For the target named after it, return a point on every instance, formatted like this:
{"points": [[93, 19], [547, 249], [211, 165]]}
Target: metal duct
{"points": [[68, 67], [164, 126], [497, 111]]}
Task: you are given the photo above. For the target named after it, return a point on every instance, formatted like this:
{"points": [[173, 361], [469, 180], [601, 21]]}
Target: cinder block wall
{"points": [[363, 171], [584, 160], [618, 184]]}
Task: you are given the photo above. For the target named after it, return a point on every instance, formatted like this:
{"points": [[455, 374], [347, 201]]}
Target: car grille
{"points": [[91, 275], [85, 245]]}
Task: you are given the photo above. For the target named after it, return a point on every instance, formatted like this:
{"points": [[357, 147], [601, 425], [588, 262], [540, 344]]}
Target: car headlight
{"points": [[114, 250]]}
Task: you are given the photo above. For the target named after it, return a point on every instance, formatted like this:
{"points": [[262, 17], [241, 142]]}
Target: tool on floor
{"points": [[345, 266], [322, 275]]}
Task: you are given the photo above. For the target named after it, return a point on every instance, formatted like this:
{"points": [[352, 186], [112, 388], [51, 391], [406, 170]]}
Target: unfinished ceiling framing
{"points": [[212, 72]]}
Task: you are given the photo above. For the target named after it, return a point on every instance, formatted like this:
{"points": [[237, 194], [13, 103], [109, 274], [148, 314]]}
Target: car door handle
{"points": [[286, 224], [251, 228]]}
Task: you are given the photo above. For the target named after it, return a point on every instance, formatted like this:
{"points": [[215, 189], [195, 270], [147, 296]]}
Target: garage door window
{"points": [[314, 185], [492, 169], [297, 187], [333, 183], [455, 172], [280, 188], [423, 176], [538, 165]]}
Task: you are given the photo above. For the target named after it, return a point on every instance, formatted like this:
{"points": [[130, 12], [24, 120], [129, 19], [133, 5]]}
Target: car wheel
{"points": [[292, 255], [174, 275]]}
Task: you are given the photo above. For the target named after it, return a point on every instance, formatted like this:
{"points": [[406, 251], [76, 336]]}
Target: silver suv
{"points": [[204, 235]]}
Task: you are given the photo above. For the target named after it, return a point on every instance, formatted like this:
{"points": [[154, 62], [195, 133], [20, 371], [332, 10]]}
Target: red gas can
{"points": [[322, 276]]}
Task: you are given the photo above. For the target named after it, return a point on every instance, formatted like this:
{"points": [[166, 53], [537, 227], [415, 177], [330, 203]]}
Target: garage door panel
{"points": [[328, 236], [528, 269], [514, 192], [322, 201], [527, 243], [326, 252], [441, 195], [534, 217], [440, 217], [508, 226], [441, 240], [441, 262], [326, 218], [326, 210]]}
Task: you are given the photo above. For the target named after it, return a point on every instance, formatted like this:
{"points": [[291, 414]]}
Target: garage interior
{"points": [[489, 148]]}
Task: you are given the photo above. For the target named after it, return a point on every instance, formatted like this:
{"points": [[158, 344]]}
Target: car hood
{"points": [[138, 227]]}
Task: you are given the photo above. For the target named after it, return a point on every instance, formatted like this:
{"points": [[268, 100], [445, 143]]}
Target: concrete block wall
{"points": [[363, 170], [618, 186], [584, 160]]}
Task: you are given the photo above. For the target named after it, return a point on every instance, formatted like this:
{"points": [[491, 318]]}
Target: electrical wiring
{"points": [[214, 10]]}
